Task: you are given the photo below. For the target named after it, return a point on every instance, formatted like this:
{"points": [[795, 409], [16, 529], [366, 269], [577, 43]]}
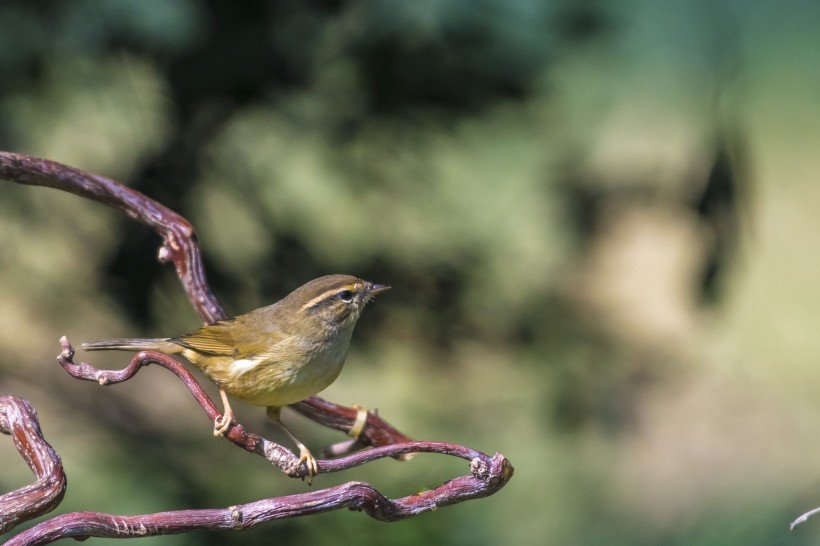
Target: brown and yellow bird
{"points": [[275, 355]]}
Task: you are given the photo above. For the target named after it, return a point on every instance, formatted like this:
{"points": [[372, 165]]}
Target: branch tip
{"points": [[803, 518], [67, 351], [164, 255]]}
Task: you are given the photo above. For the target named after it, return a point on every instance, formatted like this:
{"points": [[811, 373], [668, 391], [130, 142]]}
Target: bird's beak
{"points": [[374, 289]]}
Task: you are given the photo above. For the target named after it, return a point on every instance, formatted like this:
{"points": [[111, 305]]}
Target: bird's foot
{"points": [[223, 423], [305, 456]]}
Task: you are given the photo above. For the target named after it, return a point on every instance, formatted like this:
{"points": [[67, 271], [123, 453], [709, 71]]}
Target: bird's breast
{"points": [[275, 378]]}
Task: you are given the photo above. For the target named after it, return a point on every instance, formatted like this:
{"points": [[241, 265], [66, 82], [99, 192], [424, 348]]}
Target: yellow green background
{"points": [[526, 175]]}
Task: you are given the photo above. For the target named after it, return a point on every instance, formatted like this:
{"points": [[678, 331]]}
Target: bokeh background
{"points": [[599, 218]]}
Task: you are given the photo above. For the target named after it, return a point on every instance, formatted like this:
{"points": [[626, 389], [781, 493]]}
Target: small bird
{"points": [[272, 356]]}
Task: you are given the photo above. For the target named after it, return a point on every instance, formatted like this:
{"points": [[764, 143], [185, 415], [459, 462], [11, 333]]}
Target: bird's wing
{"points": [[215, 339], [259, 335]]}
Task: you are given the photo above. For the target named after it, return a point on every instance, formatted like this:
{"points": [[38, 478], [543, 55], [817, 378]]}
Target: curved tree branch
{"points": [[179, 241], [18, 419], [273, 452], [180, 247], [486, 477], [487, 474]]}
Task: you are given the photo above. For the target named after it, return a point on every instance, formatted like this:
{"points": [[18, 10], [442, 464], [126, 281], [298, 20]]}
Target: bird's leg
{"points": [[305, 456], [223, 422]]}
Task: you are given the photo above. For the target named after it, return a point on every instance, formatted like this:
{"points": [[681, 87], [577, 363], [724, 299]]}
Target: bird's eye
{"points": [[345, 295]]}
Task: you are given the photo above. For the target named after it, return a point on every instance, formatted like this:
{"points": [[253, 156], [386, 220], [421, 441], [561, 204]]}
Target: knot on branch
{"points": [[236, 517]]}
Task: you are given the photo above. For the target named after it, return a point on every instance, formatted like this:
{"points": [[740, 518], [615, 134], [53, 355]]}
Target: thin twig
{"points": [[273, 452], [179, 241], [375, 432], [803, 518]]}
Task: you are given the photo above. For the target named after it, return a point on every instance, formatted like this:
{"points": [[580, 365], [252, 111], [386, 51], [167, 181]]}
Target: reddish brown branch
{"points": [[486, 477], [487, 474], [19, 419], [275, 453], [179, 247], [179, 241], [397, 445], [376, 432]]}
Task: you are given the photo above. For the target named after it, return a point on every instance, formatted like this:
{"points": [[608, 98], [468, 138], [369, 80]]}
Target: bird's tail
{"points": [[158, 344]]}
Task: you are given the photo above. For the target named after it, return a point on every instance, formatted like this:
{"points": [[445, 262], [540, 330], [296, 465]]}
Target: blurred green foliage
{"points": [[597, 218]]}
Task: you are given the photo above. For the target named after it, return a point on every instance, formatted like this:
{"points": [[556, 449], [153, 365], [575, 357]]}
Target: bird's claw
{"points": [[305, 456], [222, 424]]}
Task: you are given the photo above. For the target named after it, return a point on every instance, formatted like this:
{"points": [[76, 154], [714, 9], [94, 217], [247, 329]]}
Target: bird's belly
{"points": [[269, 383]]}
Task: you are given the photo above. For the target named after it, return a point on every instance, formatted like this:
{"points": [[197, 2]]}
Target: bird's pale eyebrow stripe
{"points": [[328, 293]]}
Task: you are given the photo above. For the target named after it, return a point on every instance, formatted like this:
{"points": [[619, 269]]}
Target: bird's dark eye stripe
{"points": [[345, 295]]}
